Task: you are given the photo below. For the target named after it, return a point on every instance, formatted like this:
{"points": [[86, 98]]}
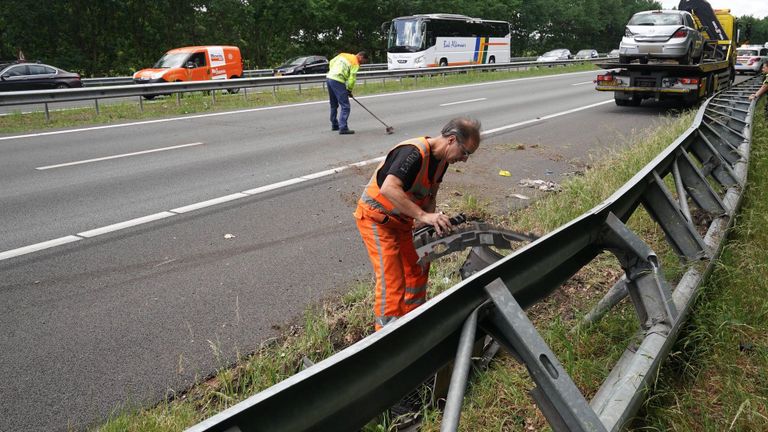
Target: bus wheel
{"points": [[443, 62], [492, 60]]}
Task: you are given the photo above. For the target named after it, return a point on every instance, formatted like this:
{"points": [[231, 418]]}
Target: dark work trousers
{"points": [[338, 96]]}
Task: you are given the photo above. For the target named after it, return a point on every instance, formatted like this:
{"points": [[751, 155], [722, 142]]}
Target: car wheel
{"points": [[234, 90], [687, 59], [149, 97], [443, 62], [61, 86], [624, 59]]}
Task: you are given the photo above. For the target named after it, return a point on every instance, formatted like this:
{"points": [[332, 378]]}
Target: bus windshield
{"points": [[405, 36]]}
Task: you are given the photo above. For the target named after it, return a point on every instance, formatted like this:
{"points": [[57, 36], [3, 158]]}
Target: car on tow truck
{"points": [[661, 34]]}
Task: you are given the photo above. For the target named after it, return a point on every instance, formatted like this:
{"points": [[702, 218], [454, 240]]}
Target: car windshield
{"points": [[296, 61], [171, 61], [584, 52], [555, 53], [405, 35], [652, 19], [747, 52]]}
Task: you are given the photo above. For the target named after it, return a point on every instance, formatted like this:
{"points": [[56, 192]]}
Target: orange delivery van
{"points": [[195, 63]]}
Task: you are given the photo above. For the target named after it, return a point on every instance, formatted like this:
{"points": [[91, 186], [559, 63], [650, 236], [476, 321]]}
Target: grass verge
{"points": [[195, 103]]}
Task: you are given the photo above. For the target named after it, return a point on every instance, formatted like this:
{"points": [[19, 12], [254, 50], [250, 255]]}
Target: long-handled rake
{"points": [[389, 129]]}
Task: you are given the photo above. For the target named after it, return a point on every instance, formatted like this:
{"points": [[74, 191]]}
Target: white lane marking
{"points": [[227, 198], [465, 101], [124, 225], [582, 83], [546, 117], [208, 203], [250, 110], [37, 247], [47, 167]]}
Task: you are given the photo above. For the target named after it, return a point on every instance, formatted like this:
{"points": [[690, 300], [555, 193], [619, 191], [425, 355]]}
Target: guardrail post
{"points": [[47, 113], [647, 287], [561, 402], [452, 411], [245, 93], [178, 99], [213, 97], [96, 102], [681, 233], [141, 104], [299, 88]]}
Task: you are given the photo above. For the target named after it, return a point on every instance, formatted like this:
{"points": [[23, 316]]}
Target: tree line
{"points": [[117, 37]]}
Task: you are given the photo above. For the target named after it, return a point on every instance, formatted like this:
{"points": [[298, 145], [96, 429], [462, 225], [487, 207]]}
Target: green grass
{"points": [[194, 103]]}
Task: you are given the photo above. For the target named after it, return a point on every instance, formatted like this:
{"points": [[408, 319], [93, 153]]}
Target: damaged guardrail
{"points": [[707, 166]]}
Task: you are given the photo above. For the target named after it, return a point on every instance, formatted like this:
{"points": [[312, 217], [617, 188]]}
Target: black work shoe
{"points": [[346, 132], [334, 128]]}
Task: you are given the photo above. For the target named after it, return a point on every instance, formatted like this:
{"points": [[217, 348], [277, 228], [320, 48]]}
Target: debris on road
{"points": [[543, 185]]}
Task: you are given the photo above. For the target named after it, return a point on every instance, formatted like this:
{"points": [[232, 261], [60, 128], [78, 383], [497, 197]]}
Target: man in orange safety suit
{"points": [[401, 192]]}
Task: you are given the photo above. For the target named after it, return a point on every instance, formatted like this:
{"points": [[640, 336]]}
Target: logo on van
{"points": [[217, 57]]}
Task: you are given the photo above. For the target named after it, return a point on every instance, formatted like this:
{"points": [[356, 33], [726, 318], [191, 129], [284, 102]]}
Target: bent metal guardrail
{"points": [[105, 92], [707, 165]]}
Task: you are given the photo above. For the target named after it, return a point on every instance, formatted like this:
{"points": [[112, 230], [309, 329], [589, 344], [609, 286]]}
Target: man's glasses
{"points": [[463, 149]]}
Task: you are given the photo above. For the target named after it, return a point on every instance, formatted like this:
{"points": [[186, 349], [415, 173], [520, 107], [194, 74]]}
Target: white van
{"points": [[750, 58]]}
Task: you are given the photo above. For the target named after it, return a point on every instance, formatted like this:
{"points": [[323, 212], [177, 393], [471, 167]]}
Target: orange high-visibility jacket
{"points": [[420, 191]]}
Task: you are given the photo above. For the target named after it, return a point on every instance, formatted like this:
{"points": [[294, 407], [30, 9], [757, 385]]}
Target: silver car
{"points": [[555, 55], [586, 54], [661, 34]]}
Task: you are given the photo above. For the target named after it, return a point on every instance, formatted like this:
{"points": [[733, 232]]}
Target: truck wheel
{"points": [[621, 102]]}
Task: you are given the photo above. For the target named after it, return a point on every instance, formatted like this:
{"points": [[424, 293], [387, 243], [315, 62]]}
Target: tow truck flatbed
{"points": [[704, 67]]}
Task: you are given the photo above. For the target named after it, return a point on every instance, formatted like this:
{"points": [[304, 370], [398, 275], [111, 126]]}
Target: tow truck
{"points": [[664, 80]]}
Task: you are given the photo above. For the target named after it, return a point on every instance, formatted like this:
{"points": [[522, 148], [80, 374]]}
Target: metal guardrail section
{"points": [[105, 92], [345, 391], [250, 73]]}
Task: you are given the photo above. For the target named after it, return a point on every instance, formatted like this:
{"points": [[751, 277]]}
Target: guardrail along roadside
{"points": [[96, 93]]}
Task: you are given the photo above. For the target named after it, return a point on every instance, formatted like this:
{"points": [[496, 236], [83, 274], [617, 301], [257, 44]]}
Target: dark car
{"points": [[19, 76], [303, 65]]}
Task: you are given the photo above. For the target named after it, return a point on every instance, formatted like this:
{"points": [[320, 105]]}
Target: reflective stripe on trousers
{"points": [[401, 284]]}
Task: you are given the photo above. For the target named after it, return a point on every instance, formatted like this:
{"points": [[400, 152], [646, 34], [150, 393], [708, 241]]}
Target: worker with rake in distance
{"points": [[402, 192], [340, 79]]}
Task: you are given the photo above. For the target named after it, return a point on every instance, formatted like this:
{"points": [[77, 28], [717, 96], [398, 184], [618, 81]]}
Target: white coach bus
{"points": [[431, 40]]}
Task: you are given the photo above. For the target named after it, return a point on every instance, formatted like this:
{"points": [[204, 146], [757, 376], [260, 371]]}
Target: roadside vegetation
{"points": [[199, 103], [714, 380]]}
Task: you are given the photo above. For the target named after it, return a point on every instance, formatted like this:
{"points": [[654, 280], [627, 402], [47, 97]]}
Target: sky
{"points": [[756, 8]]}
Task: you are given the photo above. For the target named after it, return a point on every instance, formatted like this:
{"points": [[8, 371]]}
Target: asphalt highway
{"points": [[157, 286]]}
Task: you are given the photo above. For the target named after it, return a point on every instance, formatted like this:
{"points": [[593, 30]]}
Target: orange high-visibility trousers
{"points": [[401, 284]]}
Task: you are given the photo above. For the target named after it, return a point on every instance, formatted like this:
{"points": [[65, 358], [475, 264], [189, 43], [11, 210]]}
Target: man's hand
{"points": [[441, 222], [350, 93]]}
